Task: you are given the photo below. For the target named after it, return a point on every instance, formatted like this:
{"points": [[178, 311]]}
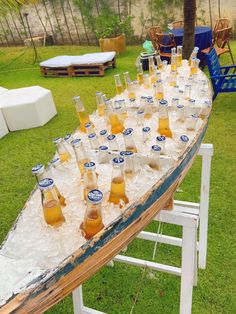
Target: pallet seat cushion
{"points": [[89, 58], [28, 107], [3, 126]]}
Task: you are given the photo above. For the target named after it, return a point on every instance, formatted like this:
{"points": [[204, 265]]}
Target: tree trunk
{"points": [[4, 32], [85, 30], [65, 19], [118, 7], [97, 7], [37, 12], [73, 18], [189, 27], [49, 20], [17, 30], [58, 24], [22, 22], [10, 31], [219, 9], [209, 3]]}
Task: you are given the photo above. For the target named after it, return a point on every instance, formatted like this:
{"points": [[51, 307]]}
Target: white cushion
{"points": [[3, 126], [28, 107], [89, 58], [2, 90]]}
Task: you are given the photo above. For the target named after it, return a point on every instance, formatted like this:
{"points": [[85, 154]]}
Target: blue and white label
{"points": [[146, 129], [76, 142], [92, 136], [184, 138], [163, 102], [180, 106], [103, 132], [128, 131], [125, 153], [95, 196], [89, 165], [37, 168], [118, 160], [156, 148], [161, 138], [46, 183], [111, 137], [103, 148]]}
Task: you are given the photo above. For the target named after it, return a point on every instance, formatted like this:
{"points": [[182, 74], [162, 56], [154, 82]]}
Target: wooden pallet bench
{"points": [[93, 69]]}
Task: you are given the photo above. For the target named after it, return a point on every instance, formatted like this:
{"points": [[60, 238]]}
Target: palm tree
{"points": [[189, 27]]}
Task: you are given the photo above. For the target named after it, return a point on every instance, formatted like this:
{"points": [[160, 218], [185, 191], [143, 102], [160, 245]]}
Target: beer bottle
{"points": [[103, 154], [100, 104], [193, 55], [40, 174], [90, 178], [146, 133], [80, 154], [116, 124], [163, 121], [89, 128], [180, 115], [161, 141], [154, 75], [140, 73], [82, 115], [173, 78], [158, 90], [154, 158], [123, 109], [117, 190], [92, 222], [173, 66], [159, 62], [126, 79], [129, 141], [146, 81], [150, 64], [94, 143], [119, 87], [179, 56], [113, 144], [131, 90], [62, 151], [129, 169], [148, 109], [51, 205]]}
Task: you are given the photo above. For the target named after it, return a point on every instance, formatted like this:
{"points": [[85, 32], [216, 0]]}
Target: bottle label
{"points": [[103, 132], [156, 148], [161, 138], [37, 168], [127, 131], [95, 196], [103, 148], [92, 136], [163, 102], [118, 160], [146, 129], [89, 165], [126, 153], [184, 138], [111, 137]]}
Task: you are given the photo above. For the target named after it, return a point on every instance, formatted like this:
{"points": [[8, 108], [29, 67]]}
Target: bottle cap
{"points": [[140, 112], [184, 138], [57, 140], [38, 169], [118, 161], [132, 99], [98, 94], [68, 138], [46, 184], [103, 148], [111, 137], [95, 196], [159, 81], [76, 98], [125, 153], [89, 165], [92, 136], [103, 132], [163, 102], [77, 142], [127, 131], [161, 138], [145, 75], [180, 106], [56, 161], [192, 101], [87, 125], [149, 97], [194, 116], [146, 129], [143, 97], [156, 148]]}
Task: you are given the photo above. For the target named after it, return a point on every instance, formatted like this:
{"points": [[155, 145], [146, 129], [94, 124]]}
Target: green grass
{"points": [[113, 290]]}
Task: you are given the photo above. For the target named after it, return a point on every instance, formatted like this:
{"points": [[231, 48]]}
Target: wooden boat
{"points": [[52, 285]]}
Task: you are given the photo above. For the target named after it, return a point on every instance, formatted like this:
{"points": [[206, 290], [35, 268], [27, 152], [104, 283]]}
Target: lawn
{"points": [[113, 290]]}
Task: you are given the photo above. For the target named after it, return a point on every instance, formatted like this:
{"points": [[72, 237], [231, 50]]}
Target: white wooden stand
{"points": [[188, 215]]}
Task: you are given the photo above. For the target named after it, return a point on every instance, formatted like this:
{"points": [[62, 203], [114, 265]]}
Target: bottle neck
{"points": [[117, 172], [163, 112]]}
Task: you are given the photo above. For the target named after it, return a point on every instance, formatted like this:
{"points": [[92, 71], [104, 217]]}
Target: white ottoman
{"points": [[3, 126], [28, 107], [2, 90]]}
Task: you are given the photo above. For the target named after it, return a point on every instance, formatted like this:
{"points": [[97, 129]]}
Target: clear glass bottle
{"points": [[187, 92], [112, 141], [50, 202], [194, 66], [129, 168], [140, 73], [100, 104], [205, 109], [126, 79], [129, 141], [40, 174], [146, 81], [68, 138], [159, 62], [146, 133], [92, 222], [82, 115], [154, 75], [183, 141], [179, 56], [123, 109], [154, 158], [90, 178], [148, 109], [191, 122], [103, 154], [80, 154], [173, 78], [93, 140], [150, 64], [117, 190], [89, 128], [131, 90], [163, 121], [62, 151], [161, 141], [193, 55], [173, 66], [180, 114], [158, 90], [116, 125], [119, 87], [140, 117]]}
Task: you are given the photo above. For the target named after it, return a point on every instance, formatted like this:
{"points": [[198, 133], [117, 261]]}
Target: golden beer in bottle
{"points": [[100, 104], [92, 222], [80, 154], [179, 56], [117, 190], [154, 158], [129, 169], [119, 87], [51, 205], [129, 141], [163, 121], [126, 79], [140, 73], [82, 115], [90, 178], [62, 151], [116, 125]]}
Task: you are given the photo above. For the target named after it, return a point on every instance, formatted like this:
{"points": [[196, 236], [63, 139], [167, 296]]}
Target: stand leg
{"points": [[77, 296]]}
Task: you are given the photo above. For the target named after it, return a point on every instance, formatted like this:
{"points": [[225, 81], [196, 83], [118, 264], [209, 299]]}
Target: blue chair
{"points": [[222, 78]]}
